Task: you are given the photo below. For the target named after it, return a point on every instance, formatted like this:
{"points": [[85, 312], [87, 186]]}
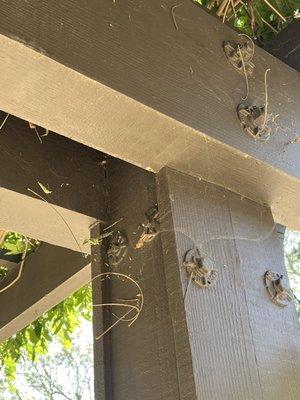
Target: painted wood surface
{"points": [[151, 359], [157, 96], [72, 173], [286, 45], [134, 48], [243, 346], [50, 275], [101, 320]]}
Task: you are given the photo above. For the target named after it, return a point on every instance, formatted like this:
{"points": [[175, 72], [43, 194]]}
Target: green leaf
{"points": [[44, 188], [97, 240]]}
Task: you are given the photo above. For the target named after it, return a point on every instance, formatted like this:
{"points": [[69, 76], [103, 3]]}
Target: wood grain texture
{"points": [[72, 172], [133, 48], [156, 97], [101, 321], [286, 45], [148, 361], [243, 346], [50, 275], [36, 219]]}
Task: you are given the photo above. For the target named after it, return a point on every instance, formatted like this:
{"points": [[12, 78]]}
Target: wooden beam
{"points": [[150, 94], [73, 174], [51, 274], [101, 321], [286, 45], [239, 339], [37, 220], [151, 359], [225, 342]]}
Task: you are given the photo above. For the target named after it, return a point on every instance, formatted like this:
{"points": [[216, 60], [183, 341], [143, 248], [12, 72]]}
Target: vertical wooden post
{"points": [[101, 320], [151, 359], [226, 342], [243, 346]]}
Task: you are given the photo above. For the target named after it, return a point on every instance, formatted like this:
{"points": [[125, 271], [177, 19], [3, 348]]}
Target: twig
{"points": [[115, 223], [266, 99], [233, 8], [226, 10], [187, 287], [252, 17], [37, 134], [60, 215], [46, 133], [2, 236], [245, 73], [132, 307], [269, 25], [221, 8], [137, 308], [113, 325], [5, 119], [20, 269], [249, 38], [296, 140], [275, 10], [239, 9], [173, 15]]}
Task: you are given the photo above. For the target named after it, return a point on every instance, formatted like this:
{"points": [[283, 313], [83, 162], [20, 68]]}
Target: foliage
{"points": [[98, 240], [61, 321], [255, 17], [14, 243], [3, 272], [292, 261], [33, 341], [60, 374]]}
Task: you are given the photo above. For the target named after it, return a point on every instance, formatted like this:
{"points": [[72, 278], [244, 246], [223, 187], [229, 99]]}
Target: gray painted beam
{"points": [[50, 275], [243, 346], [226, 342], [118, 76], [72, 172], [286, 45], [150, 360]]}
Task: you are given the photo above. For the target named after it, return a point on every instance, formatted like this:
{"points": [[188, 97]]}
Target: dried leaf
{"points": [[97, 240]]}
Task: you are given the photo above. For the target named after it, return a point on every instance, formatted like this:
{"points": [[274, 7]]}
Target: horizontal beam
{"points": [[73, 173], [150, 94], [38, 220], [50, 275]]}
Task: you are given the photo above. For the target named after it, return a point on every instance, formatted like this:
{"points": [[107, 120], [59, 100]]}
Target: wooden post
{"points": [[101, 320], [226, 342], [243, 346], [151, 359]]}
